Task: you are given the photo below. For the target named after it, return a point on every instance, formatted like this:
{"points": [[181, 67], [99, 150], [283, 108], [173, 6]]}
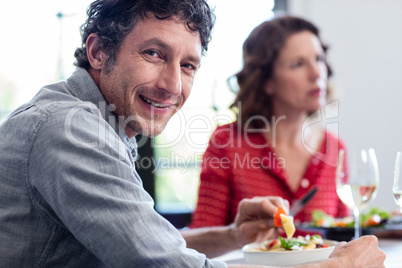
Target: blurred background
{"points": [[365, 38], [38, 40]]}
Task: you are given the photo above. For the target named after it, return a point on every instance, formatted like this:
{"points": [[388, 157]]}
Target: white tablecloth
{"points": [[393, 249]]}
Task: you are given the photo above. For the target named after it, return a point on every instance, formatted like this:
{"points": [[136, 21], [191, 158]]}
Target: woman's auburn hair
{"points": [[252, 104]]}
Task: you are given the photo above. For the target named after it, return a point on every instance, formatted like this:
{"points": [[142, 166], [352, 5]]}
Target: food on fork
{"points": [[282, 219], [288, 225]]}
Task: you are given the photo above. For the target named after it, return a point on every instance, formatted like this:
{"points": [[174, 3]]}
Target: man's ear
{"points": [[95, 55]]}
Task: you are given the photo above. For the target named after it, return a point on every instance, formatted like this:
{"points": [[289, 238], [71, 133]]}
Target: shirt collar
{"points": [[83, 87]]}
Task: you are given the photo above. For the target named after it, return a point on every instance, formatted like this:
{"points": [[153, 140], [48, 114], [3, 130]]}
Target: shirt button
{"points": [[305, 183]]}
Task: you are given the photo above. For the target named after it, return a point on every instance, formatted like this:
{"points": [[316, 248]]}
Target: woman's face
{"points": [[299, 80]]}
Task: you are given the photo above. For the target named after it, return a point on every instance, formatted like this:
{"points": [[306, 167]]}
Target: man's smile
{"points": [[155, 104]]}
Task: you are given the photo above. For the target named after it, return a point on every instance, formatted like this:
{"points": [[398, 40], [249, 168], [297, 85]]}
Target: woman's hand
{"points": [[254, 219]]}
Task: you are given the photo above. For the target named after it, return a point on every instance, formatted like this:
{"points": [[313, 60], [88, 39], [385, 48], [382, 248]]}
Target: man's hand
{"points": [[254, 219], [363, 252]]}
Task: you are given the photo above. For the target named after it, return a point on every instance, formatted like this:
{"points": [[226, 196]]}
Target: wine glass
{"points": [[397, 188], [357, 186]]}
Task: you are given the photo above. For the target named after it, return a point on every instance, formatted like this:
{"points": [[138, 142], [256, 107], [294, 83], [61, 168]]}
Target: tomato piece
{"points": [[374, 220], [320, 223], [277, 216], [325, 245], [339, 223], [272, 243]]}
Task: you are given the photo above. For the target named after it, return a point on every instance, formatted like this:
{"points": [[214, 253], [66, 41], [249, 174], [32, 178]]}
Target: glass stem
{"points": [[356, 213]]}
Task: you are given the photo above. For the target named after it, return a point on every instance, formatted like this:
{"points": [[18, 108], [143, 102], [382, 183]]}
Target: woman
{"points": [[272, 149]]}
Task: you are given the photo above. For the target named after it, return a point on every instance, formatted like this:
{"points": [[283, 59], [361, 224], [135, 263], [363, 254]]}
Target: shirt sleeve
{"points": [[82, 176], [214, 200]]}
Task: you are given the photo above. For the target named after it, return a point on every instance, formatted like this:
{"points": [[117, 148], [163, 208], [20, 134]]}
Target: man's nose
{"points": [[170, 79]]}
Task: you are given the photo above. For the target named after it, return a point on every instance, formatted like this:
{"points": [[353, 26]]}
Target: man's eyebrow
{"points": [[196, 60], [155, 41], [159, 43]]}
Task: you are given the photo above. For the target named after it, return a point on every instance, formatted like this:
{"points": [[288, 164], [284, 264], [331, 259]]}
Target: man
{"points": [[69, 194]]}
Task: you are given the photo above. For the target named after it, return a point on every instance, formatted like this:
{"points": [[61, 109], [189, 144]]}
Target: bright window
{"points": [[37, 46]]}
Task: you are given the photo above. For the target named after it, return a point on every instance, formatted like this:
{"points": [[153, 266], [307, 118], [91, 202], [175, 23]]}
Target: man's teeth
{"points": [[157, 105]]}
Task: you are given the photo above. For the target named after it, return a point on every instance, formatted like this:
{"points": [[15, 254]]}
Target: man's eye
{"points": [[189, 66], [152, 53]]}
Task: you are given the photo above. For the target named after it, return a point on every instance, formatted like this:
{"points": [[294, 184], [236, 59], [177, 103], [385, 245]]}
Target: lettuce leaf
{"points": [[289, 243]]}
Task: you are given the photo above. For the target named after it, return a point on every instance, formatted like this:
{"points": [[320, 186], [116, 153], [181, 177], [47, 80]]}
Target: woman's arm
{"points": [[254, 221]]}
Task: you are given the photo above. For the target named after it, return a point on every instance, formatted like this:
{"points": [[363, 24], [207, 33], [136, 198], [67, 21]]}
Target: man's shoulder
{"points": [[56, 99], [50, 111]]}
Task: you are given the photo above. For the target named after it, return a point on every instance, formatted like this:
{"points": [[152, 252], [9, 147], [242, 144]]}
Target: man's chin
{"points": [[147, 130]]}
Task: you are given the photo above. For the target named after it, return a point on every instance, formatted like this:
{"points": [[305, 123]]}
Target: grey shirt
{"points": [[69, 192]]}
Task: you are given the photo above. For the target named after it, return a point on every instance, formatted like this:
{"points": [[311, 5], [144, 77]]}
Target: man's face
{"points": [[153, 74]]}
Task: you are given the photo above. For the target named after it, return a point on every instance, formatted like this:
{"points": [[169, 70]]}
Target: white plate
{"points": [[253, 255]]}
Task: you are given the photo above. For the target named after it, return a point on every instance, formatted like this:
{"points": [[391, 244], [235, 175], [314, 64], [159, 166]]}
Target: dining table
{"points": [[391, 246]]}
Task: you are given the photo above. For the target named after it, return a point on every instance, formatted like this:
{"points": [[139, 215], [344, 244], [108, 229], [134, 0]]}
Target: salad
{"points": [[374, 217], [298, 243], [282, 219]]}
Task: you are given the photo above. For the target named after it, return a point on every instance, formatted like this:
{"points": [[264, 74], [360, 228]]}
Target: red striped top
{"points": [[239, 165]]}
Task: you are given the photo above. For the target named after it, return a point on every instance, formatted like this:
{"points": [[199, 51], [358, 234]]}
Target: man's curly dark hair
{"points": [[113, 20]]}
